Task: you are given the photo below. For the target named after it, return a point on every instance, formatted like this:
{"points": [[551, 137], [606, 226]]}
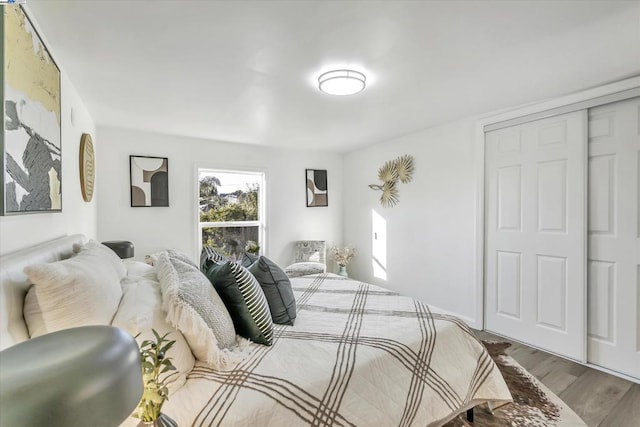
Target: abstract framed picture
{"points": [[31, 142], [317, 191], [149, 181]]}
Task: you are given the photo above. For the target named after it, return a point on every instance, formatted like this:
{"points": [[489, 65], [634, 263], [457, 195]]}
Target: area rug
{"points": [[534, 405]]}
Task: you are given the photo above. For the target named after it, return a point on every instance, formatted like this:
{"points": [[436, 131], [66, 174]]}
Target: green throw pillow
{"points": [[245, 301]]}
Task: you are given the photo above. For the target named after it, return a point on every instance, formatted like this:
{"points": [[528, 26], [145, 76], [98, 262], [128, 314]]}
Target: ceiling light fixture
{"points": [[342, 82]]}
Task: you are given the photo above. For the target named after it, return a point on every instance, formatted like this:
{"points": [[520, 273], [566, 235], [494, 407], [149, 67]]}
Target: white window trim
{"points": [[262, 205]]}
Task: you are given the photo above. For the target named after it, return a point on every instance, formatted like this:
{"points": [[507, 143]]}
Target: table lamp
{"points": [[86, 376]]}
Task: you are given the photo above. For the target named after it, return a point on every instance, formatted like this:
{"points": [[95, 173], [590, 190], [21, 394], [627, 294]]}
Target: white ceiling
{"points": [[246, 71]]}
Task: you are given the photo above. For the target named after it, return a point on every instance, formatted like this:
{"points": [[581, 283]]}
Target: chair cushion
{"points": [[310, 251], [277, 289], [304, 268]]}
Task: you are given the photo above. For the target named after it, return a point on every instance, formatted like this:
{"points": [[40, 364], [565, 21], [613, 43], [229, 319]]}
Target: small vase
{"points": [[342, 271], [162, 421]]}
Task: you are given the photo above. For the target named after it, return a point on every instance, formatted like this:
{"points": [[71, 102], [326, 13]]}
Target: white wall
{"points": [[77, 216], [156, 228], [430, 233]]}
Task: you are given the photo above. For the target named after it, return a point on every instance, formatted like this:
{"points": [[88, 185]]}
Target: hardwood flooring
{"points": [[600, 399]]}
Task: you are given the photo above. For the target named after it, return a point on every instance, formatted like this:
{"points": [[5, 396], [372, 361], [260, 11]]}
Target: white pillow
{"points": [[82, 290], [140, 311], [141, 269], [108, 255]]}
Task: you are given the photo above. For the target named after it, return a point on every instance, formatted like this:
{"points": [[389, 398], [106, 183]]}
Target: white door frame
{"points": [[630, 84]]}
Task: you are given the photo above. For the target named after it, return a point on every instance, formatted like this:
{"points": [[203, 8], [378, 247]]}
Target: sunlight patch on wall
{"points": [[378, 245]]}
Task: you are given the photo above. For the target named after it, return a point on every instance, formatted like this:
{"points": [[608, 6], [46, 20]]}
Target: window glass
{"points": [[231, 210]]}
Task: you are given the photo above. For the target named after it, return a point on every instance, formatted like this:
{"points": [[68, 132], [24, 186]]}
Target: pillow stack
{"points": [[201, 308], [255, 291]]}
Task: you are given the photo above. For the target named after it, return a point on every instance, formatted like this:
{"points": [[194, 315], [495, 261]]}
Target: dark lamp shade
{"points": [[122, 248], [87, 376]]}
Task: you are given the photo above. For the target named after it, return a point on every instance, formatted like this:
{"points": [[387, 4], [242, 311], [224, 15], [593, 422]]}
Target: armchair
{"points": [[309, 258]]}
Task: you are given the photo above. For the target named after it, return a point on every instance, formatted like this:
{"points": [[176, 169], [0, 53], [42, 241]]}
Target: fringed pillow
{"points": [[194, 307], [153, 258]]}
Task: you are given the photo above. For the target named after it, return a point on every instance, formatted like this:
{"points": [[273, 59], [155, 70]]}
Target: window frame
{"points": [[261, 222]]}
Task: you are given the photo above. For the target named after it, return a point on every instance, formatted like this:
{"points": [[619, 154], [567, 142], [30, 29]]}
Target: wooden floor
{"points": [[599, 399]]}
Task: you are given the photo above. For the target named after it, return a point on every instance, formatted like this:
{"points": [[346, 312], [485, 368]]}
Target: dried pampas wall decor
{"points": [[392, 172]]}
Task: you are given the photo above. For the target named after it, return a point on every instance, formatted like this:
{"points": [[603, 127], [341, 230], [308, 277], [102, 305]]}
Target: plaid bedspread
{"points": [[358, 355]]}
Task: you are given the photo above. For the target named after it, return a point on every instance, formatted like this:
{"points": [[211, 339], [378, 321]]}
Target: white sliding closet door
{"points": [[614, 231], [536, 233]]}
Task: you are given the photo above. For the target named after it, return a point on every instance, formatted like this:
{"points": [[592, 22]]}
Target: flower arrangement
{"points": [[155, 372], [343, 256], [252, 247]]}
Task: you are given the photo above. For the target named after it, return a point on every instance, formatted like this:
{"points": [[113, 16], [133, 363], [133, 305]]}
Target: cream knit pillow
{"points": [[82, 290]]}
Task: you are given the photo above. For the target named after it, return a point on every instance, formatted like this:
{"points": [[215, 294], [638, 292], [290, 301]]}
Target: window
{"points": [[231, 210]]}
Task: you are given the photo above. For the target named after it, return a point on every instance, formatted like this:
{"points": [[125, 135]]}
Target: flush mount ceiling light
{"points": [[342, 82]]}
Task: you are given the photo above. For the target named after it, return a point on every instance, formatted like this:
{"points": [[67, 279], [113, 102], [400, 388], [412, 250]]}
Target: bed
{"points": [[358, 355]]}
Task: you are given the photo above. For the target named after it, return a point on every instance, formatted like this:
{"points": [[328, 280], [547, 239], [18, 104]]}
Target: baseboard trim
{"points": [[587, 364]]}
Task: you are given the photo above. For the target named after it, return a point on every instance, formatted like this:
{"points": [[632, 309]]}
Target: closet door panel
{"points": [[552, 197], [614, 231], [535, 233]]}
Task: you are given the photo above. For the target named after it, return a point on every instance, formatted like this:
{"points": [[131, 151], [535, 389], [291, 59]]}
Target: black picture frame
{"points": [[149, 181], [317, 188]]}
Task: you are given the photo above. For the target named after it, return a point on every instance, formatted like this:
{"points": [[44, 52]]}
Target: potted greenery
{"points": [[156, 370], [252, 247]]}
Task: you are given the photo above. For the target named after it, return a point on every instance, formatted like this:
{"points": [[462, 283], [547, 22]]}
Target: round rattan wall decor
{"points": [[87, 167]]}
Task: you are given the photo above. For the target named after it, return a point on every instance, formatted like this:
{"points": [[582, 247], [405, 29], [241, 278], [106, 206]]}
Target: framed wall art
{"points": [[149, 177], [31, 143], [317, 191]]}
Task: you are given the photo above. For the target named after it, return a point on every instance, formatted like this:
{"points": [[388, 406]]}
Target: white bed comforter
{"points": [[358, 355]]}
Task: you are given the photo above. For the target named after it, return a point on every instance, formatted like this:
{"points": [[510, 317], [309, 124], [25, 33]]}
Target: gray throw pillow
{"points": [[194, 308], [247, 259], [277, 289], [181, 256]]}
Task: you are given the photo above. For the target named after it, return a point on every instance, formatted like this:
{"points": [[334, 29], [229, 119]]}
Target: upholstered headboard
{"points": [[14, 284]]}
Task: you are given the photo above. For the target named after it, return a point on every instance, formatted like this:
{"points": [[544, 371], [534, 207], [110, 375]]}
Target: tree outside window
{"points": [[231, 206]]}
